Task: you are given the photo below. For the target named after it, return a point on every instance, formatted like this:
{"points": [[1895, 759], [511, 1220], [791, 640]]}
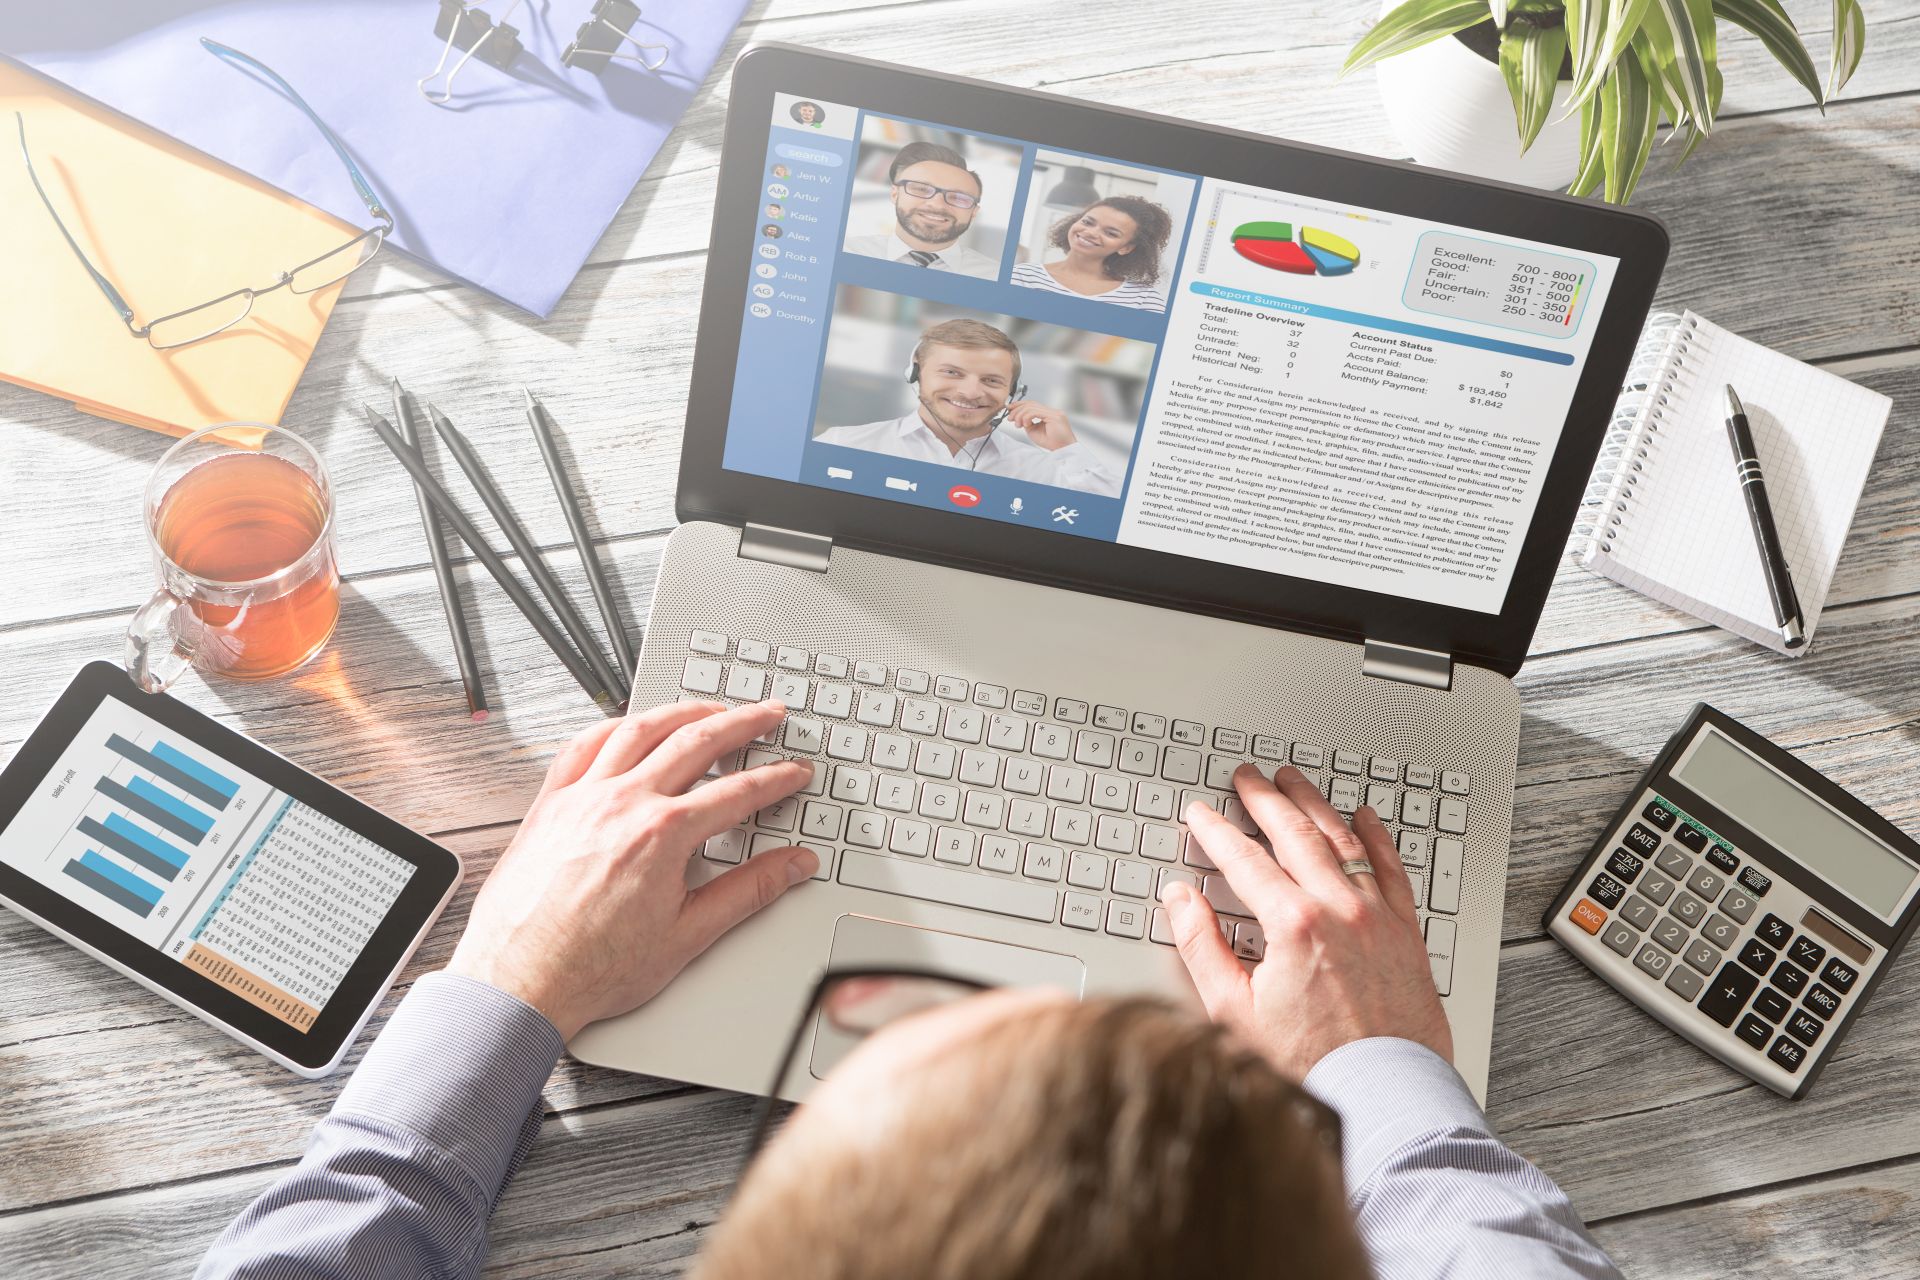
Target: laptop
{"points": [[1051, 460]]}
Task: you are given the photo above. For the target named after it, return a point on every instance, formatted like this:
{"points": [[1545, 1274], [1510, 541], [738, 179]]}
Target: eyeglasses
{"points": [[205, 319], [853, 1004], [927, 191]]}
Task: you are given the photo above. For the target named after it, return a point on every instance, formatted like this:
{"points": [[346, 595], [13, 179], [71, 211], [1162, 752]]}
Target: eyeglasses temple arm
{"points": [[106, 285], [360, 182]]}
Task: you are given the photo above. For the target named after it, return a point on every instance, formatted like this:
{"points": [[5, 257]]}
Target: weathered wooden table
{"points": [[130, 1133]]}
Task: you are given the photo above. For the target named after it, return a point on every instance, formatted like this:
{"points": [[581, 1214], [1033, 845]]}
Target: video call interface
{"points": [[1018, 332]]}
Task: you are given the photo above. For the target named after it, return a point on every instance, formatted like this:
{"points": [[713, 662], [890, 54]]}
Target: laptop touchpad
{"points": [[860, 942]]}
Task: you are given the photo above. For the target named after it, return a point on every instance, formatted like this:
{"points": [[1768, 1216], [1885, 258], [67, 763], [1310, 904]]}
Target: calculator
{"points": [[1745, 900]]}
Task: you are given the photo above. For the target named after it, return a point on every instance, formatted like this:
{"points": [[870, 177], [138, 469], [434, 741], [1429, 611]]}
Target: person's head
{"points": [[935, 195], [807, 112], [781, 171], [774, 210], [1124, 234], [1024, 1134], [969, 371], [770, 231]]}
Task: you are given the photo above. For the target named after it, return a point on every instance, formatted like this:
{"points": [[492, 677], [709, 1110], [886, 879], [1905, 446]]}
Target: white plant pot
{"points": [[1451, 110]]}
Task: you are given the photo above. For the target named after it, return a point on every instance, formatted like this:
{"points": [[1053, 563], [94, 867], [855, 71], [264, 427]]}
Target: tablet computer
{"points": [[211, 870]]}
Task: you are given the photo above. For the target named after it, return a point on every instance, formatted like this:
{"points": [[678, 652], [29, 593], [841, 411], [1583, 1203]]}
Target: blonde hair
{"points": [[968, 335], [1115, 1139]]}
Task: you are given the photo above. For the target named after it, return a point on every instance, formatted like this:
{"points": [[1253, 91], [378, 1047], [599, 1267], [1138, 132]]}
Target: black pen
{"points": [[1746, 460], [443, 572], [577, 526]]}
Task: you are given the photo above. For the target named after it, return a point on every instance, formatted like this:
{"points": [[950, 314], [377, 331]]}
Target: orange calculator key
{"points": [[1588, 916]]}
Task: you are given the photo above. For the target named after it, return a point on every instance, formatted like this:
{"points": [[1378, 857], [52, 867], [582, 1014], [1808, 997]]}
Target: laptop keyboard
{"points": [[1029, 804]]}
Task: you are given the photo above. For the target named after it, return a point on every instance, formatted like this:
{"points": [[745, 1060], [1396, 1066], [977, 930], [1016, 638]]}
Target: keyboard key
{"points": [[1044, 862], [1737, 904], [1154, 800], [1177, 764], [919, 716], [728, 846], [866, 829], [1754, 1031], [939, 801], [1189, 734], [1067, 784], [1684, 982], [909, 681], [1447, 857], [830, 665], [1659, 815], [991, 696], [934, 760], [1669, 933], [779, 816], [1220, 771], [1839, 975], [1052, 741], [1149, 726], [943, 884], [790, 659], [1235, 811], [952, 688], [791, 689], [1414, 849], [1722, 860], [1094, 748], [891, 751], [805, 736], [700, 675], [753, 651], [1624, 866], [1720, 931], [1126, 919], [910, 839], [876, 707], [1029, 703], [707, 642], [1453, 815], [1381, 769], [1702, 956], [1705, 883], [1688, 909], [1233, 741], [1072, 826], [1161, 930], [1162, 844], [1383, 800], [1416, 808], [1773, 931], [1640, 838], [1071, 710], [1606, 891], [1727, 994], [1674, 862], [1087, 870], [823, 852], [821, 820], [1265, 748], [1420, 775], [1786, 1054], [1455, 784], [873, 673], [1804, 1027], [746, 684], [1344, 794], [984, 809], [1024, 777], [979, 768], [1193, 855], [1771, 1005], [1115, 835], [1308, 756], [1132, 879], [1349, 762], [1821, 1001], [997, 853], [1755, 882], [1440, 940], [1657, 888], [894, 792], [1620, 938], [966, 724], [1757, 956], [1026, 818], [1588, 915], [1137, 757], [1222, 896], [1111, 792], [1114, 718], [1638, 912], [1079, 911], [1692, 837], [1007, 733], [1789, 979], [1654, 961], [1806, 953], [953, 845], [844, 742]]}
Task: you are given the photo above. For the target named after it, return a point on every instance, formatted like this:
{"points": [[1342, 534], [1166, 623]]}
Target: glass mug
{"points": [[242, 541]]}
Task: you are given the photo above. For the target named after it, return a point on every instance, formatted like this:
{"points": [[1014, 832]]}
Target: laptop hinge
{"points": [[1407, 664], [807, 551]]}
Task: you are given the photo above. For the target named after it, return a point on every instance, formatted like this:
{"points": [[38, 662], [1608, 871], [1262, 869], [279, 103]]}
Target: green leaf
{"points": [[1413, 24], [1627, 123], [1586, 26], [1530, 59], [1769, 22], [1592, 170], [1624, 18], [1499, 11], [1674, 23], [1849, 42]]}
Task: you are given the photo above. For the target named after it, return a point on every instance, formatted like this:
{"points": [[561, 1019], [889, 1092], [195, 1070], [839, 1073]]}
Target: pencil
{"points": [[443, 571], [457, 520], [577, 525], [503, 515]]}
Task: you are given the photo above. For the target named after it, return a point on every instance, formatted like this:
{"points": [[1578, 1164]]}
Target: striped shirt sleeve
{"points": [[1433, 1192], [403, 1174]]}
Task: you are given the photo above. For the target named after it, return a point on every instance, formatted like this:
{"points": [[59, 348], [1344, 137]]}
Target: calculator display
{"points": [[1773, 807]]}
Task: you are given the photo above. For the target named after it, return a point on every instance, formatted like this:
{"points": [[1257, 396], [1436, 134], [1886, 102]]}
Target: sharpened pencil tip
{"points": [[528, 393]]}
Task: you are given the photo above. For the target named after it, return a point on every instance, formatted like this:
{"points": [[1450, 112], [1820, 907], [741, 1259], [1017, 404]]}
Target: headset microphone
{"points": [[973, 459]]}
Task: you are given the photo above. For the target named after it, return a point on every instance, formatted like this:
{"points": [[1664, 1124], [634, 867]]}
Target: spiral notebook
{"points": [[1667, 516]]}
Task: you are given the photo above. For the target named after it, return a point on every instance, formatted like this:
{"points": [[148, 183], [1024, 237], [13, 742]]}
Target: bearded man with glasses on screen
{"points": [[935, 199]]}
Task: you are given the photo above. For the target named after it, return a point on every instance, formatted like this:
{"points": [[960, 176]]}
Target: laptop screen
{"points": [[1103, 349]]}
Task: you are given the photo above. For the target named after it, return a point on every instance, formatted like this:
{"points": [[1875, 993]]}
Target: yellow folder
{"points": [[171, 227]]}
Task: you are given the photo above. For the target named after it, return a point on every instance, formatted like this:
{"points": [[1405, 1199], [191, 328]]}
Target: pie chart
{"points": [[1300, 251]]}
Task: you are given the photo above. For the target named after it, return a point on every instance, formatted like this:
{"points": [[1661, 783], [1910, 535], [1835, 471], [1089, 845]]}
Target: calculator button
{"points": [[1606, 890], [1705, 883], [1639, 837], [1754, 1031], [1755, 882], [1807, 953], [1688, 909], [1757, 956], [1839, 975], [1624, 866], [1657, 887], [1659, 815], [1805, 1028], [1821, 1001], [1720, 931], [1620, 938], [1638, 912], [1670, 933], [1787, 1054], [1727, 994], [1673, 862], [1774, 931], [1653, 960], [1771, 1005], [1685, 983], [1702, 956], [1737, 903], [1588, 916], [1789, 979], [1692, 837], [1723, 859]]}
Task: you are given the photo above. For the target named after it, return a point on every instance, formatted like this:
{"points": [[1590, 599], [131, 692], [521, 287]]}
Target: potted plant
{"points": [[1588, 82]]}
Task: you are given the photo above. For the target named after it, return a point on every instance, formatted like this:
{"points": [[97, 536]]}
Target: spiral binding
{"points": [[1658, 375]]}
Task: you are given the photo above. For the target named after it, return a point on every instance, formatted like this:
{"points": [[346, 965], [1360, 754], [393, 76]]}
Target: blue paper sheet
{"points": [[507, 188]]}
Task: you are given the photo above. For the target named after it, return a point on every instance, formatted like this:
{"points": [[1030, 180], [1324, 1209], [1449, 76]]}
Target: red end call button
{"points": [[964, 495]]}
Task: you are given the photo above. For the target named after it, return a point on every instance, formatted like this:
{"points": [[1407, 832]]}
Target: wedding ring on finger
{"points": [[1356, 867]]}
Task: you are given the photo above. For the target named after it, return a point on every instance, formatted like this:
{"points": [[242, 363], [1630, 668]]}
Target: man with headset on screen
{"points": [[965, 376]]}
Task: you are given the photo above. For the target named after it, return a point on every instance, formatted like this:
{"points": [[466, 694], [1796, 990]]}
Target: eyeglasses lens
{"points": [[337, 265], [202, 322], [927, 191]]}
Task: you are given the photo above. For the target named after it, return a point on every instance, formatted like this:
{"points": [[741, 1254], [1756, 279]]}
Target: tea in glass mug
{"points": [[242, 540]]}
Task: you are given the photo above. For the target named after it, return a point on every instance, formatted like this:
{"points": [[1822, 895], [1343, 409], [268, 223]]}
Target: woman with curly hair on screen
{"points": [[1113, 249]]}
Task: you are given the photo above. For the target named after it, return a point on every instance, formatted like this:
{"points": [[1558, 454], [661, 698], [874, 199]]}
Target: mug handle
{"points": [[166, 637]]}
